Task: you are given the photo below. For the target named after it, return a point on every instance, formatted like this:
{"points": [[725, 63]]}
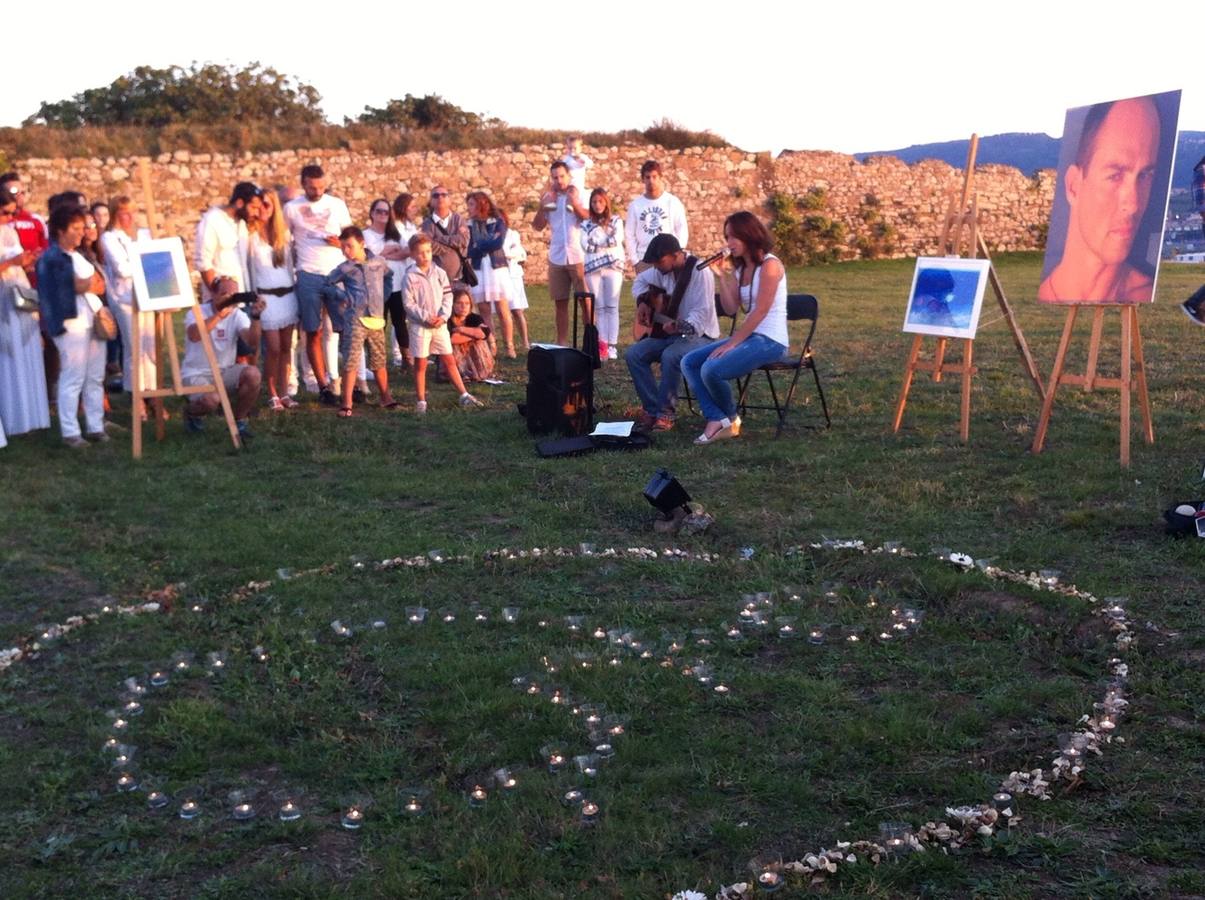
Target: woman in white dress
{"points": [[487, 232], [602, 240], [23, 404], [68, 289], [117, 248], [516, 256], [270, 265]]}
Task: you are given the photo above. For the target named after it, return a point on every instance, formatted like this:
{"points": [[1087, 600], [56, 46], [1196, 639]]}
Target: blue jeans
{"points": [[313, 293], [709, 378], [659, 399]]}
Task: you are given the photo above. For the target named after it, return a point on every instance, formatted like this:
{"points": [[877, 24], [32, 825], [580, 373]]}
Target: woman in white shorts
{"points": [[270, 264]]}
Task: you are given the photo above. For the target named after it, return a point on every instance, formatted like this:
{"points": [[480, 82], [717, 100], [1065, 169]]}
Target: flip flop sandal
{"points": [[344, 412]]}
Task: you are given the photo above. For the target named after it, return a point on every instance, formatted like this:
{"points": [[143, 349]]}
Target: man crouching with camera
{"points": [[227, 317]]}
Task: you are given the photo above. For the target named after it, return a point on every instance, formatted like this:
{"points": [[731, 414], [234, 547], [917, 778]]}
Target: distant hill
{"points": [[1030, 152]]}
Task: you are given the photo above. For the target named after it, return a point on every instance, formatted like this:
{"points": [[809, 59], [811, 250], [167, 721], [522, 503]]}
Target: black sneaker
{"points": [[327, 397], [1194, 312], [193, 424]]}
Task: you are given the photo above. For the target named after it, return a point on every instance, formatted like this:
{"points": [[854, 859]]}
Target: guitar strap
{"points": [[680, 286]]}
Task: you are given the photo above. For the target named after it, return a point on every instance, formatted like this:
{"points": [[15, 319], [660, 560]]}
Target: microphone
{"points": [[713, 258]]}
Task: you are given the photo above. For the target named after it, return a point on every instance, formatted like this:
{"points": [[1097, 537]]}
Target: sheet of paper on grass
{"points": [[612, 429]]}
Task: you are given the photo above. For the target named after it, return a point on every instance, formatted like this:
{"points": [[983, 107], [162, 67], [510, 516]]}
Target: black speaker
{"points": [[560, 391]]}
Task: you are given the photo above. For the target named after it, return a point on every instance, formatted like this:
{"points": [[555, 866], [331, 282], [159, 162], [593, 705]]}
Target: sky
{"points": [[774, 75]]}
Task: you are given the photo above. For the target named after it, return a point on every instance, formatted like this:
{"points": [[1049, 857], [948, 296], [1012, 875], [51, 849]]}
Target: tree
{"points": [[427, 113], [206, 93]]}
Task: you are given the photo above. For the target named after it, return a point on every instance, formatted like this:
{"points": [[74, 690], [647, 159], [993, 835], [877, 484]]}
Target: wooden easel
{"points": [[1133, 370], [165, 335], [960, 232]]}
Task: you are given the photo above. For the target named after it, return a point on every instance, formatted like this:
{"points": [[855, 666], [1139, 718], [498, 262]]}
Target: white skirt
{"points": [[492, 284], [518, 298], [23, 403], [281, 312]]}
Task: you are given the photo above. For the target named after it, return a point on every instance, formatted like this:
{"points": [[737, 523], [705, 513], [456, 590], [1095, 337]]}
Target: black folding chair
{"points": [[800, 308], [720, 316]]}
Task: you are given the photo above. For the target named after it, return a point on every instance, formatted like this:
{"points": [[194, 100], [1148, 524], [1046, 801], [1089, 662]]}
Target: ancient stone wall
{"points": [[910, 199]]}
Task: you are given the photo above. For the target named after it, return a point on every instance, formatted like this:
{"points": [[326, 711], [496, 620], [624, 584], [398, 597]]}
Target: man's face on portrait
{"points": [[1109, 194]]}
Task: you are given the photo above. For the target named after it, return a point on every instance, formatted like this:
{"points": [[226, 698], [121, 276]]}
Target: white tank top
{"points": [[774, 325]]}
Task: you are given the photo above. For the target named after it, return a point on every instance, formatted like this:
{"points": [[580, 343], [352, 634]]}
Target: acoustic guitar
{"points": [[652, 314]]}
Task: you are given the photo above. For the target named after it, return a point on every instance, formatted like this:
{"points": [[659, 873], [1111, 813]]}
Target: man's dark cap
{"points": [[661, 245]]}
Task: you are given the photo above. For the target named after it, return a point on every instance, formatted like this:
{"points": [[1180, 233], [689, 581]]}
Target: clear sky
{"points": [[769, 75]]}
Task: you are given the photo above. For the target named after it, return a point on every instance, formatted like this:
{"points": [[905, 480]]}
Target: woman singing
{"points": [[755, 281]]}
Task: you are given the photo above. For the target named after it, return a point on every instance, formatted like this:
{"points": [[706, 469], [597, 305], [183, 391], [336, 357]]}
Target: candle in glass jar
{"points": [[289, 811], [589, 812], [126, 782], [477, 796], [353, 818], [190, 809], [572, 798], [156, 800]]}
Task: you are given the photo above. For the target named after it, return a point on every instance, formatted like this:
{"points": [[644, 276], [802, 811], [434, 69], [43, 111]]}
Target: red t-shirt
{"points": [[31, 232]]}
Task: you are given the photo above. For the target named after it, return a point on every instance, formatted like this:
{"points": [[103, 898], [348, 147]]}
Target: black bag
{"points": [[589, 329]]}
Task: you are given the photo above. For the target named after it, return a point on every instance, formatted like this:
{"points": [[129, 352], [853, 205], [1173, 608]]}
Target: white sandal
{"points": [[730, 428]]}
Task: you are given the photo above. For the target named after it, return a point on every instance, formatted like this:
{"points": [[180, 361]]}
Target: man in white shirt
{"points": [[694, 325], [654, 212], [562, 209], [316, 219], [220, 254]]}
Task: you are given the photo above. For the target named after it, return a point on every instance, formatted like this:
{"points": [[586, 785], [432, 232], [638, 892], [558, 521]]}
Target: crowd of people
{"points": [[295, 292]]}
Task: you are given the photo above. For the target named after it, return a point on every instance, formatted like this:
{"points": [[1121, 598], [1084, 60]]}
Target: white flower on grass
{"points": [[689, 895]]}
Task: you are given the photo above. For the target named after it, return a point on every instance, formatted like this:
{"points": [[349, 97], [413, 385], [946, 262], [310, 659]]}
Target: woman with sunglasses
{"points": [[382, 238], [23, 404]]}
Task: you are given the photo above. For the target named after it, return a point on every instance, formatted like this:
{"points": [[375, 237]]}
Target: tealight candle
{"points": [[159, 679], [589, 813], [111, 744], [604, 751], [412, 806], [157, 800], [477, 797], [289, 811], [190, 809], [126, 782], [555, 762], [572, 798], [132, 708], [816, 635], [1002, 801], [733, 634], [769, 881], [481, 617], [599, 634], [510, 614], [448, 616], [415, 615], [353, 818], [120, 724], [243, 811], [721, 689]]}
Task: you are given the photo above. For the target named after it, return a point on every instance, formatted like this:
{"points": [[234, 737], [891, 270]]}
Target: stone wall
{"points": [[710, 182]]}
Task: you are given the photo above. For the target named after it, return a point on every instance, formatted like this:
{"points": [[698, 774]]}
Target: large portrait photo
{"points": [[1110, 203]]}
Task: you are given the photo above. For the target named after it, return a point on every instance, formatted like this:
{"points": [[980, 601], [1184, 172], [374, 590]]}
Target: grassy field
{"points": [[813, 744]]}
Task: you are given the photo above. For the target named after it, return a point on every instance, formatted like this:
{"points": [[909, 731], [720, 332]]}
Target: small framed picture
{"points": [[946, 296], [161, 279]]}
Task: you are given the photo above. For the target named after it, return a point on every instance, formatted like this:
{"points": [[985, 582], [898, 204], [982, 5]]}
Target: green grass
{"points": [[814, 744]]}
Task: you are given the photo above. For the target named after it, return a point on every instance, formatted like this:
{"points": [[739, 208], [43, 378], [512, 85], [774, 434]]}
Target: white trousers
{"points": [[605, 285], [146, 357], [82, 358]]}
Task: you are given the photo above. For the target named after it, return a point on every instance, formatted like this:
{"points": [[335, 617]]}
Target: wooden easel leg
{"points": [[163, 328], [1127, 346], [1052, 386], [1144, 402], [1098, 322], [967, 362], [1031, 367], [909, 370], [939, 356], [136, 362]]}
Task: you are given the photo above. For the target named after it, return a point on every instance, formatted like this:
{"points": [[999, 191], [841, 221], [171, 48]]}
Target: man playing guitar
{"points": [[675, 313]]}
